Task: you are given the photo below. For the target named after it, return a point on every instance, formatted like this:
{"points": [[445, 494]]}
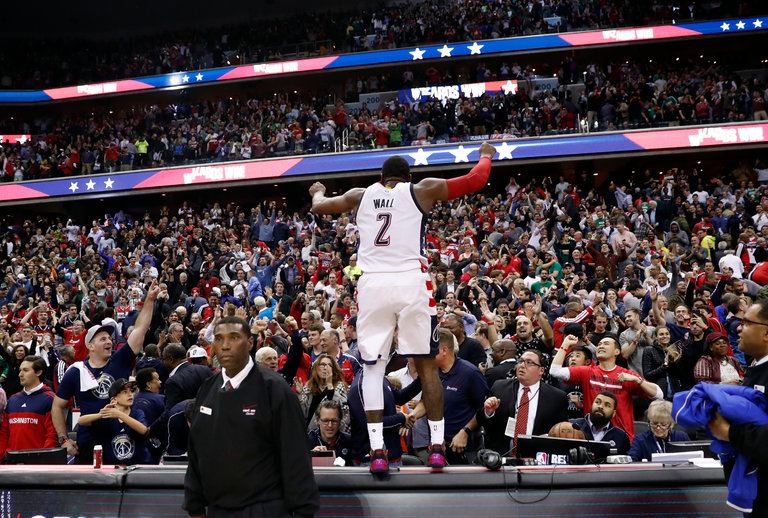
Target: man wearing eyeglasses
{"points": [[525, 405], [749, 439], [328, 436]]}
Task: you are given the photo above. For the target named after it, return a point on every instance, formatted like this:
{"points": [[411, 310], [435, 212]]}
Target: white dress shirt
{"points": [[239, 377]]}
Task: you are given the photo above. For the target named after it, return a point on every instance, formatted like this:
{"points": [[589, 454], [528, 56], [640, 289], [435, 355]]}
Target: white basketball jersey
{"points": [[392, 227]]}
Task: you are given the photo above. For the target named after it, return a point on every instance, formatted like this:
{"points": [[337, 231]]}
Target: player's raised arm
{"points": [[430, 190], [336, 205]]}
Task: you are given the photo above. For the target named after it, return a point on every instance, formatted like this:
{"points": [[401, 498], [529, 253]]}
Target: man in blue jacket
{"points": [[597, 424], [751, 440]]}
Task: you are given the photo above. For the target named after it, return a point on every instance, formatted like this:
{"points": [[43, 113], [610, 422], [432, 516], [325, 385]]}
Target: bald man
{"points": [[503, 354]]}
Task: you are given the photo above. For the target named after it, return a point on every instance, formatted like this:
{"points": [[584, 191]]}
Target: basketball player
{"points": [[394, 289]]}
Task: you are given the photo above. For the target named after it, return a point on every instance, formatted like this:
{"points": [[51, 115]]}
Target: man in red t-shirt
{"points": [[606, 375], [76, 338]]}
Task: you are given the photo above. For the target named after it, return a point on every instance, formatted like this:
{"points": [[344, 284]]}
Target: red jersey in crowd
{"points": [[78, 342], [593, 380], [28, 424], [561, 322]]}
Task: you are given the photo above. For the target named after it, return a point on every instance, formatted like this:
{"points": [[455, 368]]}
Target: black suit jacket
{"points": [[442, 290], [185, 383], [552, 409], [500, 372]]}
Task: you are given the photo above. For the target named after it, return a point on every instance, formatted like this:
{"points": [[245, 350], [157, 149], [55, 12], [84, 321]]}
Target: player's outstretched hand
{"points": [[318, 187], [486, 149]]}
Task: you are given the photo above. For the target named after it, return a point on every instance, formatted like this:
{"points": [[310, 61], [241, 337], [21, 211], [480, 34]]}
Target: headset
{"points": [[490, 459], [580, 454]]}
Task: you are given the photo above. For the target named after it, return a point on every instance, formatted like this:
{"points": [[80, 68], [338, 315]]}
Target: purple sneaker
{"points": [[379, 461], [436, 454]]}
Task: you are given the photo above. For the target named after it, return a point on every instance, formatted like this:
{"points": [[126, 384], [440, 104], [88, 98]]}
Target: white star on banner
{"points": [[740, 25], [185, 79], [420, 157], [22, 139], [758, 23], [73, 186], [445, 51], [199, 76], [417, 54], [725, 27], [108, 183], [461, 154], [475, 48], [90, 185], [509, 87], [505, 151]]}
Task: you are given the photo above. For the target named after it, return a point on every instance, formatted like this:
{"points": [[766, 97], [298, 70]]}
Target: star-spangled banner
{"points": [[94, 186], [422, 53]]}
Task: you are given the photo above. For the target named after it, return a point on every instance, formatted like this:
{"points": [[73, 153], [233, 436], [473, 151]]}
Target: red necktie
{"points": [[521, 423], [228, 386]]}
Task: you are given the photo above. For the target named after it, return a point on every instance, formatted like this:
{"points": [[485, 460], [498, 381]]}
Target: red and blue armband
{"points": [[472, 181]]}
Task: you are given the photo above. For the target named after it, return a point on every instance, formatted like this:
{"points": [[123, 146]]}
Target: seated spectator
{"points": [[609, 374], [326, 382], [655, 440], [327, 435], [120, 429], [597, 424], [534, 405], [715, 366], [27, 424]]}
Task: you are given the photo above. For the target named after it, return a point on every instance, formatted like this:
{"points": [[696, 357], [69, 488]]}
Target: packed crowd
{"points": [[653, 274], [616, 96], [28, 63]]}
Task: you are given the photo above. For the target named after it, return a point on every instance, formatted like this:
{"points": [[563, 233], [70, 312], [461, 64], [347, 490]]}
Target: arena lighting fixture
{"points": [[224, 189], [594, 174]]}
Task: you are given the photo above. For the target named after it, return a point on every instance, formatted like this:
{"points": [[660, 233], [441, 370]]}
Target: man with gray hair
{"points": [[266, 357]]}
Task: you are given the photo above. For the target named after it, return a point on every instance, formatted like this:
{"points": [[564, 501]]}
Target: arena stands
{"points": [[673, 245], [27, 63]]}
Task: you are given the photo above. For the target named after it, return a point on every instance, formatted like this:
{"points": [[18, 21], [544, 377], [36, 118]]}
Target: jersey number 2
{"points": [[381, 238]]}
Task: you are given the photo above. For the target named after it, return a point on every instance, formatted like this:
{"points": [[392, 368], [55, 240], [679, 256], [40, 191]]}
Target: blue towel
{"points": [[738, 405]]}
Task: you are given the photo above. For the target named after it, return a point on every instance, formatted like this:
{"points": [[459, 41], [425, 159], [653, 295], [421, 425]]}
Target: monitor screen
{"points": [[554, 450], [40, 456], [674, 447]]}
